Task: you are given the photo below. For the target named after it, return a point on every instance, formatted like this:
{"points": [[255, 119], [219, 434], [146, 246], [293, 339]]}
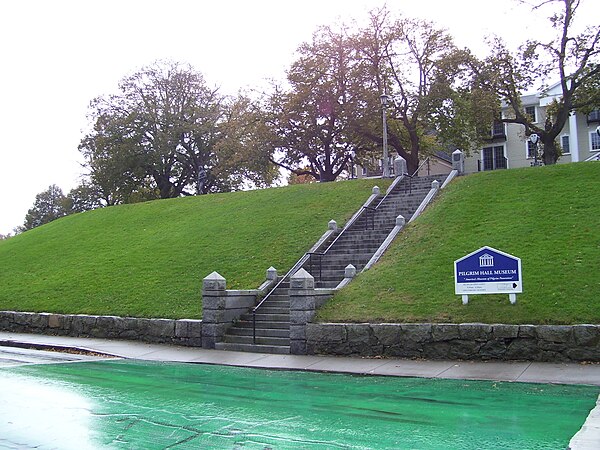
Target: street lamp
{"points": [[534, 138], [386, 162]]}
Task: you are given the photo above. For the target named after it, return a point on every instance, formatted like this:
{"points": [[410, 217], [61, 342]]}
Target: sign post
{"points": [[488, 271]]}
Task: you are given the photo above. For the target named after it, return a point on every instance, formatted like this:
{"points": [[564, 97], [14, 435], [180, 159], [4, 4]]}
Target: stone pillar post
{"points": [[400, 167], [400, 221], [458, 161], [349, 271], [302, 309], [272, 274], [214, 297]]}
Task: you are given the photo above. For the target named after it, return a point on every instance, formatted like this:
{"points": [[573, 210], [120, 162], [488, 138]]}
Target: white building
{"points": [[509, 148]]}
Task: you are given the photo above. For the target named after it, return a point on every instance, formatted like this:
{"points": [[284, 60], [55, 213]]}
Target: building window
{"points": [[493, 158], [594, 116], [564, 142], [595, 141], [530, 111], [531, 149], [498, 129]]}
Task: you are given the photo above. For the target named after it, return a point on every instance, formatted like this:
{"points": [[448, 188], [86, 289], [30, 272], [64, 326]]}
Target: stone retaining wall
{"points": [[468, 341], [167, 331]]}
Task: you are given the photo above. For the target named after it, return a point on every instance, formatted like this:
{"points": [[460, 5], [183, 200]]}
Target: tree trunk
{"points": [[412, 162], [325, 177], [550, 152]]}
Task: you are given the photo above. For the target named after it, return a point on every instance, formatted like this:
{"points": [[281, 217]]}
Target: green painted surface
{"points": [[119, 404]]}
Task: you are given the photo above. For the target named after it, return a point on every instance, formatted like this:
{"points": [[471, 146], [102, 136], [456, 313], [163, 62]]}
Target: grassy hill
{"points": [[548, 216], [148, 259]]}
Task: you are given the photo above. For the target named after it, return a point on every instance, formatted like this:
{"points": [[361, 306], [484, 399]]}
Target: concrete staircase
{"points": [[272, 326], [355, 246]]}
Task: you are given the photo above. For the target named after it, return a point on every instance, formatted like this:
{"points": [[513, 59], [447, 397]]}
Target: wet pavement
{"points": [[520, 371], [123, 403], [19, 350], [14, 356]]}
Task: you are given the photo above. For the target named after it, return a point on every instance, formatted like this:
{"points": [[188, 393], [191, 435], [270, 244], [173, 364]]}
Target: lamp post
{"points": [[386, 161], [534, 138]]}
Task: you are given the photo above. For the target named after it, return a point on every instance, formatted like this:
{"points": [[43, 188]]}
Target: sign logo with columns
{"points": [[488, 271]]}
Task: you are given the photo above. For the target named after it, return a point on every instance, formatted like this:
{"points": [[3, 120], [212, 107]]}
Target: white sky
{"points": [[57, 55]]}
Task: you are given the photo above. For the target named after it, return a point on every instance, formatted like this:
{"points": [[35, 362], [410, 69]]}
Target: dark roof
{"points": [[443, 156]]}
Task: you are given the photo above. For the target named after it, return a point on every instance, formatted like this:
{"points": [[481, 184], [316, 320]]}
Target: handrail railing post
{"points": [[318, 263], [254, 327], [320, 267], [369, 213]]}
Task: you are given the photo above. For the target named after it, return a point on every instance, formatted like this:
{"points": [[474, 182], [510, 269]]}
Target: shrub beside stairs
{"points": [[355, 246]]}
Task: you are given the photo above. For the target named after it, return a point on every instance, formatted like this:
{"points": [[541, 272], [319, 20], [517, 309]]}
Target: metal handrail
{"points": [[307, 256], [419, 168], [370, 211], [310, 263], [410, 177], [297, 266]]}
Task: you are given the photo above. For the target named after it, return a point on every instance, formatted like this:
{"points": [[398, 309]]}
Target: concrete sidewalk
{"points": [[531, 372], [587, 438]]}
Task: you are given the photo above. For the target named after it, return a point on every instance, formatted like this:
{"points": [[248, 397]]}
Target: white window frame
{"points": [[503, 125], [493, 156], [595, 116], [563, 146], [534, 113], [594, 137]]}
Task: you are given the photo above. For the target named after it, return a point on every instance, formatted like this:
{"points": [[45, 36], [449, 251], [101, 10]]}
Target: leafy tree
{"points": [[572, 60], [161, 126], [310, 121], [84, 197], [425, 78], [330, 113], [116, 170], [240, 149], [49, 205], [165, 134]]}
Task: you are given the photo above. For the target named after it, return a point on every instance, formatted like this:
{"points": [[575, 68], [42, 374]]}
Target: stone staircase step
{"points": [[344, 251], [260, 340], [327, 284], [357, 239], [278, 303], [269, 332], [267, 317], [270, 309], [274, 349], [263, 325]]}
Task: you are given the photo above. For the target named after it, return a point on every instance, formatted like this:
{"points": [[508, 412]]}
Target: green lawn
{"points": [[549, 217], [148, 259]]}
